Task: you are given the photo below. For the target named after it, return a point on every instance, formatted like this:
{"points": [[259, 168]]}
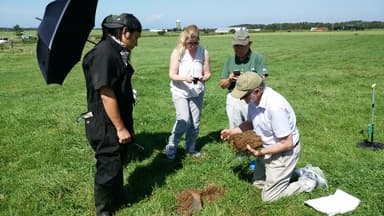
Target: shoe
{"points": [[300, 171], [170, 151], [259, 184], [308, 182], [195, 153], [317, 174], [105, 213]]}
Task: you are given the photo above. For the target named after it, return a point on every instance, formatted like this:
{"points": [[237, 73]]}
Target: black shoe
{"points": [[105, 213]]}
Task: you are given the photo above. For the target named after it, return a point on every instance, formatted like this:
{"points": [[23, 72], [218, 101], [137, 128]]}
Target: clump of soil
{"points": [[241, 140], [191, 200]]}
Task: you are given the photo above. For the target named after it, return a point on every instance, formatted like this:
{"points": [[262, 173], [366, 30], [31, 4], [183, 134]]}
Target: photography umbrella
{"points": [[62, 34]]}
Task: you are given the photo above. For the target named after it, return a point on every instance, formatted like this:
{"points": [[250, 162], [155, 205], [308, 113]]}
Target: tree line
{"points": [[349, 25]]}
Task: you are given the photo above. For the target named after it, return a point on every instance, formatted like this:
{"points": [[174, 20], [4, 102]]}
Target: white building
{"points": [[229, 29]]}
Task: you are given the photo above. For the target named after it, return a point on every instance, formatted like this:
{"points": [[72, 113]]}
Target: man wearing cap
{"points": [[271, 116], [110, 99], [243, 60]]}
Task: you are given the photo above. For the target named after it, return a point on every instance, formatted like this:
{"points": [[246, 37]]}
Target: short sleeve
{"points": [[280, 122], [225, 73], [104, 69]]}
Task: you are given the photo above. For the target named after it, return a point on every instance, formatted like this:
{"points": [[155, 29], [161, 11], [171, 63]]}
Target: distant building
{"points": [[178, 25], [3, 40], [319, 29], [158, 30], [229, 29], [254, 30]]}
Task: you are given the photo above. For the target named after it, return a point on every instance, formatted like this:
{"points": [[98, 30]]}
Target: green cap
{"points": [[246, 82]]}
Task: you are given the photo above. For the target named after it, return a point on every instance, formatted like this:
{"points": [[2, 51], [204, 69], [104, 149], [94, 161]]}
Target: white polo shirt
{"points": [[273, 118]]}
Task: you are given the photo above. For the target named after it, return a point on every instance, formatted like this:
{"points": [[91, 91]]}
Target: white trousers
{"points": [[188, 112], [237, 111]]}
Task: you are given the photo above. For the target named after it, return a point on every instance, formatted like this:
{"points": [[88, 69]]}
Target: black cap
{"points": [[119, 21]]}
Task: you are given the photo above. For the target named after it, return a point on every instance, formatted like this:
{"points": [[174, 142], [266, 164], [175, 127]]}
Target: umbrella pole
{"points": [[368, 143], [371, 126]]}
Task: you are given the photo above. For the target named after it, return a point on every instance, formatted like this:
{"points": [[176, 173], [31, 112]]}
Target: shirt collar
{"points": [[263, 99], [125, 55], [245, 60]]}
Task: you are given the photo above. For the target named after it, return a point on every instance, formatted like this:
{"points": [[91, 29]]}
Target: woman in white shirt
{"points": [[189, 69]]}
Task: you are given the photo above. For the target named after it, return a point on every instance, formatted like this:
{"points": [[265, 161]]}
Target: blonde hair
{"points": [[189, 32]]}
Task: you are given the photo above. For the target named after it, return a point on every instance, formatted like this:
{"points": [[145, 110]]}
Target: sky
{"points": [[155, 14]]}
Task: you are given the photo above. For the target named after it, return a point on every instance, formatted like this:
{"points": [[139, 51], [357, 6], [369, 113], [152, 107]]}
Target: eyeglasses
{"points": [[248, 93], [193, 43]]}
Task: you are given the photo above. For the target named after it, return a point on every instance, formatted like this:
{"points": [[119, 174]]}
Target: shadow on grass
{"points": [[213, 136], [243, 173], [146, 144], [141, 181]]}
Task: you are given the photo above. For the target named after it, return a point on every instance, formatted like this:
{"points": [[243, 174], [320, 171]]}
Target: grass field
{"points": [[47, 167]]}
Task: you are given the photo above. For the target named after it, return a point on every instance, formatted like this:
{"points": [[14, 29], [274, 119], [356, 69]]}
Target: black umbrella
{"points": [[63, 33]]}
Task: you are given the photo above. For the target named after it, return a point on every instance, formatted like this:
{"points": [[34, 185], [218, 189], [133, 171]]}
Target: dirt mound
{"points": [[191, 200]]}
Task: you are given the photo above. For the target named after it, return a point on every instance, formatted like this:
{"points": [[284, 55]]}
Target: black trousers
{"points": [[110, 158]]}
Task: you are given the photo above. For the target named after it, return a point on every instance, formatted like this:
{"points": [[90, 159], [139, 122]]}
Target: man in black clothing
{"points": [[109, 123]]}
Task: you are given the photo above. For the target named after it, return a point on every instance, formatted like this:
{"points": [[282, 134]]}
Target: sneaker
{"points": [[300, 171], [317, 174], [259, 184], [170, 151], [195, 153], [308, 182]]}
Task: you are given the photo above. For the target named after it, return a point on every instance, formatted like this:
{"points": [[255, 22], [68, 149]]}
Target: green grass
{"points": [[47, 167]]}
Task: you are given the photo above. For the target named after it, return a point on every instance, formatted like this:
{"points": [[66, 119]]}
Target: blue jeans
{"points": [[188, 112]]}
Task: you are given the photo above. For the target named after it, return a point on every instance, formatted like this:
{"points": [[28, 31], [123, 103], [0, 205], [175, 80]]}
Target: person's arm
{"points": [[112, 109], [247, 125], [174, 69], [284, 144], [225, 83], [206, 67], [227, 76], [224, 134]]}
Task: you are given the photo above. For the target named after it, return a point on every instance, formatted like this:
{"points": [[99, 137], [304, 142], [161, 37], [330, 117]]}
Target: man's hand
{"points": [[124, 136], [256, 153], [224, 134]]}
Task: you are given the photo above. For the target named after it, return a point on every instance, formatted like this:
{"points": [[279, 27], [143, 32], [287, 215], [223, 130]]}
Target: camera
{"points": [[236, 72], [195, 80]]}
